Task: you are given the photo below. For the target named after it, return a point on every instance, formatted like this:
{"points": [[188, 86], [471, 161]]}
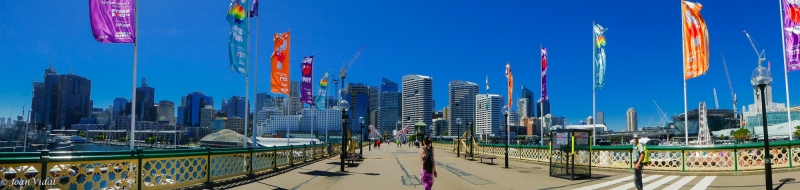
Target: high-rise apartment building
{"points": [[358, 97], [166, 111], [388, 114], [61, 100], [600, 118], [488, 121], [632, 121], [528, 104], [417, 100], [461, 104], [206, 116]]}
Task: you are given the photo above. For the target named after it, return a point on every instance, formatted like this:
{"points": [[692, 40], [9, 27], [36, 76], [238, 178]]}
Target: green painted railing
{"points": [[160, 169], [735, 157]]}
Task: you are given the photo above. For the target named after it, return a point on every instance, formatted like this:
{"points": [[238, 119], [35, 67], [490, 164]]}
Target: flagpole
{"points": [[286, 107], [594, 83], [247, 86], [311, 106], [133, 89], [786, 75], [326, 112], [255, 86], [685, 104]]}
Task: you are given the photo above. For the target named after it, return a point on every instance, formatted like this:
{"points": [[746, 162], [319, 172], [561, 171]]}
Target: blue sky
{"points": [[183, 48]]}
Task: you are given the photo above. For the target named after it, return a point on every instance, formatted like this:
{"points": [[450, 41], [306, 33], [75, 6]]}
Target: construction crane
{"points": [[345, 66], [663, 116], [730, 85], [761, 56], [715, 98]]}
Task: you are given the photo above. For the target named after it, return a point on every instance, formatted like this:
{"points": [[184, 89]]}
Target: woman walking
{"points": [[428, 166]]}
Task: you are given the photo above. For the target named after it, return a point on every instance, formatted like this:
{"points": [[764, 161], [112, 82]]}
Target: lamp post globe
{"points": [[361, 134], [505, 111], [762, 77], [458, 137], [343, 104]]}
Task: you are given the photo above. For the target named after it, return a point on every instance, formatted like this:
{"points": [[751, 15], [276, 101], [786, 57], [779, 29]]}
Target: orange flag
{"points": [[695, 41], [280, 64]]}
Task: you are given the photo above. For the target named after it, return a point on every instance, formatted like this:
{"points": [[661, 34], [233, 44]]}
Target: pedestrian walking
{"points": [[428, 171], [638, 157], [330, 150]]}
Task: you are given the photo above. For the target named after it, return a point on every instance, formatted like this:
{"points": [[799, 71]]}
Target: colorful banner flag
{"points": [[321, 101], [510, 78], [306, 86], [113, 20], [254, 9], [487, 92], [599, 57], [544, 74], [791, 36], [695, 41], [280, 64], [237, 43]]}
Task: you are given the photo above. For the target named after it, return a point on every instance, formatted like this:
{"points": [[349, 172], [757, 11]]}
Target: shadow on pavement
{"points": [[595, 177], [325, 173]]}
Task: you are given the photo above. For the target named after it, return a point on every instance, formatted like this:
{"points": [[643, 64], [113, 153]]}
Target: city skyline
{"points": [[186, 52]]}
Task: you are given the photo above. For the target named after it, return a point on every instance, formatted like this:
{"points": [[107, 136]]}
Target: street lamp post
{"points": [[508, 134], [471, 138], [361, 144], [458, 142], [760, 78], [343, 105]]}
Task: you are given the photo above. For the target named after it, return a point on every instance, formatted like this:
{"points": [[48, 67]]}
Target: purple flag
{"points": [[791, 29], [112, 20], [306, 85], [544, 74]]}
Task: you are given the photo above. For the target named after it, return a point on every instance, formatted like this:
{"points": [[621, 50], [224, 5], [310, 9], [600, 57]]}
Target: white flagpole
{"points": [[247, 85], [326, 112], [685, 104], [286, 107], [311, 106], [255, 88], [135, 51], [786, 75], [594, 83]]}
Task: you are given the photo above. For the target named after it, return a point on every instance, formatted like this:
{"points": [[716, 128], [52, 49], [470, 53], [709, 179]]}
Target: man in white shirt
{"points": [[637, 155]]}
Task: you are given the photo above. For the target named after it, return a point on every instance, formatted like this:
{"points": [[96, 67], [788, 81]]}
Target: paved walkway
{"points": [[399, 168]]}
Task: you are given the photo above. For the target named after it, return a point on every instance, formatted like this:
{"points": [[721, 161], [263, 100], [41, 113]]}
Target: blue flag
{"points": [[254, 9], [237, 42]]}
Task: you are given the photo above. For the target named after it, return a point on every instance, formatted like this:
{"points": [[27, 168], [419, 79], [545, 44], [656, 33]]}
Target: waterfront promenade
{"points": [[398, 168]]}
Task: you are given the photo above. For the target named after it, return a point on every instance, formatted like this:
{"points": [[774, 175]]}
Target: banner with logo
{"points": [[791, 30], [112, 20], [695, 41], [306, 85], [599, 57], [544, 74], [237, 43], [322, 96], [280, 64]]}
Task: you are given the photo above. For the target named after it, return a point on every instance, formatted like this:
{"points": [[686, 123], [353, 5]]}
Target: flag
{"points": [[695, 41], [254, 9], [599, 57], [791, 37], [322, 98], [487, 92], [510, 78], [280, 64], [237, 42], [112, 21], [544, 74], [306, 86]]}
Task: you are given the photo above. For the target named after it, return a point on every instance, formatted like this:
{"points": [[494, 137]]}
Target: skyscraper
{"points": [[417, 100], [236, 107], [388, 114], [194, 102], [206, 116], [522, 107], [600, 118], [145, 103], [374, 97], [61, 100], [166, 111], [120, 105], [461, 104], [632, 121], [542, 108], [528, 104], [263, 100], [488, 122], [358, 97], [294, 88]]}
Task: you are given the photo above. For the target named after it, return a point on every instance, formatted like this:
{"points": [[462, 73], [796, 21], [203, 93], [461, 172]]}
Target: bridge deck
{"points": [[399, 168]]}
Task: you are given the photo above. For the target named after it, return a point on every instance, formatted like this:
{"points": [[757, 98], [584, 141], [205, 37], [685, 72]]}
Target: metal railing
{"points": [[736, 157], [160, 169]]}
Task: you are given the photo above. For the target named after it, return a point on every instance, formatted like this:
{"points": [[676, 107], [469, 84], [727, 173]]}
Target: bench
{"points": [[351, 160], [468, 155], [487, 157]]}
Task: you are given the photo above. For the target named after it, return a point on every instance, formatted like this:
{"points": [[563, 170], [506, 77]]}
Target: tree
{"points": [[797, 131], [82, 134], [722, 136], [742, 134]]}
